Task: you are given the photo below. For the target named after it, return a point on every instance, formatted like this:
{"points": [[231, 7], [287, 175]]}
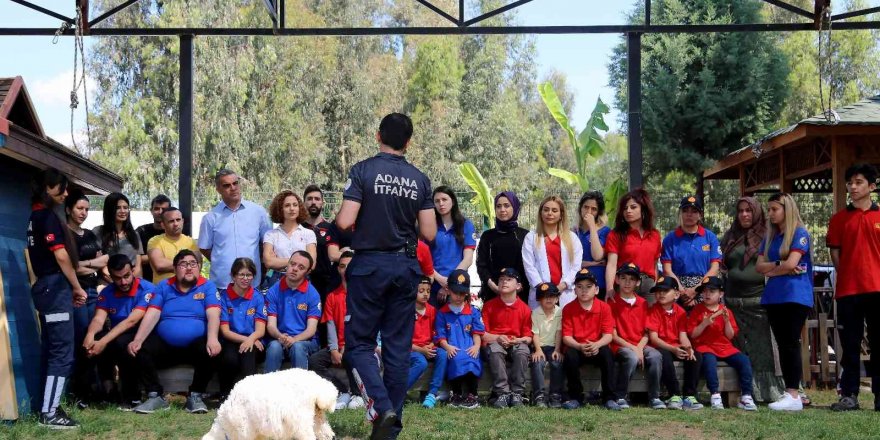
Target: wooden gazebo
{"points": [[808, 157]]}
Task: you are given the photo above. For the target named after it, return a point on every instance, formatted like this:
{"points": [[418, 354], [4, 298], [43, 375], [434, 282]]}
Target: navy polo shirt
{"points": [[183, 317], [691, 254], [119, 305], [293, 307], [584, 237], [391, 192], [45, 235], [241, 313], [790, 288], [445, 250]]}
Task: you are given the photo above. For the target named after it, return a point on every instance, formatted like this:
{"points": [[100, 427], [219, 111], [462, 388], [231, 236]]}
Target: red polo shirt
{"points": [[644, 251], [628, 319], [856, 234], [667, 325], [712, 340], [423, 333], [334, 310], [513, 320], [587, 325]]}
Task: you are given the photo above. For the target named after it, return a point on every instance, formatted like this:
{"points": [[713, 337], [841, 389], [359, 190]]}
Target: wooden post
{"points": [[842, 156], [8, 400], [805, 357], [785, 185], [824, 370]]}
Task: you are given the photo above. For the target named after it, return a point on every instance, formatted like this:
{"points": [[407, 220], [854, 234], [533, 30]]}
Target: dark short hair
{"points": [[170, 209], [243, 263], [183, 254], [395, 130], [305, 254], [312, 188], [160, 200], [118, 262], [276, 208], [221, 173], [347, 254], [865, 169]]}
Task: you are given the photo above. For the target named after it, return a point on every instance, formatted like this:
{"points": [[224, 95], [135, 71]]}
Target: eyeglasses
{"points": [[244, 276], [188, 264]]}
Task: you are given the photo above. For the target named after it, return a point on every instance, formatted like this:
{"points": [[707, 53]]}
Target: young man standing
{"points": [[324, 277], [854, 239], [157, 206], [161, 249]]}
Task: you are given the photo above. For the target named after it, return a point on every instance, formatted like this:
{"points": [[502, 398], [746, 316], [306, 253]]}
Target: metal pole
{"points": [[634, 99], [185, 131]]}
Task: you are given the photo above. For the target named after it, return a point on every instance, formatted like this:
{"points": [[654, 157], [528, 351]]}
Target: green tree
{"points": [[703, 95]]}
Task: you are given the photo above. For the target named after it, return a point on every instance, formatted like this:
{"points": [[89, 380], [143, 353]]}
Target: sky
{"points": [[47, 67]]}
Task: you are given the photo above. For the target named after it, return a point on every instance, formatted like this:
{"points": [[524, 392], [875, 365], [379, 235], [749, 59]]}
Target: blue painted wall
{"points": [[24, 338]]}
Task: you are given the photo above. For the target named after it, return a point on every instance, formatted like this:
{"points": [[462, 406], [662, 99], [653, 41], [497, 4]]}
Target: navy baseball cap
{"points": [[425, 280], [710, 283], [629, 269], [545, 289], [509, 272], [459, 281], [665, 283], [585, 274], [690, 202]]}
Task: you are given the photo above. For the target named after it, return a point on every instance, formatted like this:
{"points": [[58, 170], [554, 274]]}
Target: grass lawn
{"points": [[816, 422]]}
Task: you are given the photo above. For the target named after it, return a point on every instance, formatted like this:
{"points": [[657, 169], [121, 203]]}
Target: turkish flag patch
{"points": [[50, 238]]}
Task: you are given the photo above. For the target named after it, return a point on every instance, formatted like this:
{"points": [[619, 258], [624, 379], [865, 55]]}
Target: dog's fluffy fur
{"points": [[287, 404]]}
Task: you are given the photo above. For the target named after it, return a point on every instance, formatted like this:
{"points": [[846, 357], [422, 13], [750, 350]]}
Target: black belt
{"points": [[400, 250]]}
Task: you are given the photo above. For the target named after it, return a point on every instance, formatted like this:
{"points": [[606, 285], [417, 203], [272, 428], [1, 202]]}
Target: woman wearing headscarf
{"points": [[742, 294], [501, 247]]}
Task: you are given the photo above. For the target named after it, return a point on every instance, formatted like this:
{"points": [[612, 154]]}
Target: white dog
{"points": [[287, 404]]}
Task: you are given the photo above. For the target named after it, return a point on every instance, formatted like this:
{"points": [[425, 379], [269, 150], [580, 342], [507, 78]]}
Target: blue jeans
{"points": [[84, 376], [418, 363], [625, 363], [298, 353], [739, 362], [556, 377]]}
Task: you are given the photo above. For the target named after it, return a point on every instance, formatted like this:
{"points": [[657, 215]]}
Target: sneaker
{"points": [[691, 403], [356, 402], [128, 406], [675, 402], [443, 396], [455, 401], [342, 401], [612, 405], [747, 403], [846, 403], [787, 403], [516, 400], [503, 401], [555, 401], [430, 401], [59, 420], [540, 401], [571, 404], [195, 404], [470, 402], [153, 403], [716, 402], [656, 403], [622, 403]]}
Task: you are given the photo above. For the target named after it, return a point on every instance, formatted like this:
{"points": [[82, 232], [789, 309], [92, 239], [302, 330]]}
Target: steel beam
{"points": [[791, 8], [852, 14], [185, 132], [112, 12], [43, 10], [495, 12], [439, 11], [634, 108]]}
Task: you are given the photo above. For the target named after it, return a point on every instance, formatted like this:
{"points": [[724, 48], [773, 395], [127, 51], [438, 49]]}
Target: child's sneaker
{"points": [[612, 405], [470, 402], [356, 402], [716, 402], [342, 401], [571, 404], [747, 403], [787, 403], [555, 401], [443, 396], [516, 400], [656, 403], [674, 402], [691, 403], [622, 403], [503, 401], [540, 401], [455, 401], [430, 401]]}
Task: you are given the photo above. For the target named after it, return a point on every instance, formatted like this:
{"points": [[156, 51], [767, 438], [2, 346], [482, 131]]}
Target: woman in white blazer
{"points": [[552, 253]]}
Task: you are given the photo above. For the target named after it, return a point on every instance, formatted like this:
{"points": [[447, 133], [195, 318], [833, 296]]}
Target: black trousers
{"points": [[691, 374], [156, 353], [234, 366], [853, 313], [572, 367], [464, 385], [115, 355], [321, 363], [787, 322]]}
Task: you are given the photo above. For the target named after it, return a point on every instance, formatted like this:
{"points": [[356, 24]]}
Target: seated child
{"points": [[547, 339], [423, 348], [508, 323], [458, 328], [712, 327], [630, 342], [667, 332], [587, 327]]}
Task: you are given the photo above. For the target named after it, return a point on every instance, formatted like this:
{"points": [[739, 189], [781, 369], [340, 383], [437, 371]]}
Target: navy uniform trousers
{"points": [[381, 298], [53, 299]]}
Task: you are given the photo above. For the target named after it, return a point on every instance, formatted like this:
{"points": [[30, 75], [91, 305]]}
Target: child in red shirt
{"points": [[587, 326], [667, 332], [508, 322], [423, 348], [712, 327]]}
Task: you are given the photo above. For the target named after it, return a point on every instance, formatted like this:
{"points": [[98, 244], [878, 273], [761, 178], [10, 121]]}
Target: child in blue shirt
{"points": [[459, 327]]}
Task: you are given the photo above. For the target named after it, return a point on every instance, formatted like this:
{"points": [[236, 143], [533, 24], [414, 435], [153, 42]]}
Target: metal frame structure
{"points": [[459, 25]]}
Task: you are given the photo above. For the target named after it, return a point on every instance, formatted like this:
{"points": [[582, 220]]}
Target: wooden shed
{"points": [[24, 151], [808, 157]]}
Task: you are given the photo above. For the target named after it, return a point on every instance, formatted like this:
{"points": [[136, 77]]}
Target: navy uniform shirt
{"points": [[45, 235], [391, 192]]}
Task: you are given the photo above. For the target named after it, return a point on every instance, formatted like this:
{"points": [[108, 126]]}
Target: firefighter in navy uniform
{"points": [[55, 293], [389, 201]]}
